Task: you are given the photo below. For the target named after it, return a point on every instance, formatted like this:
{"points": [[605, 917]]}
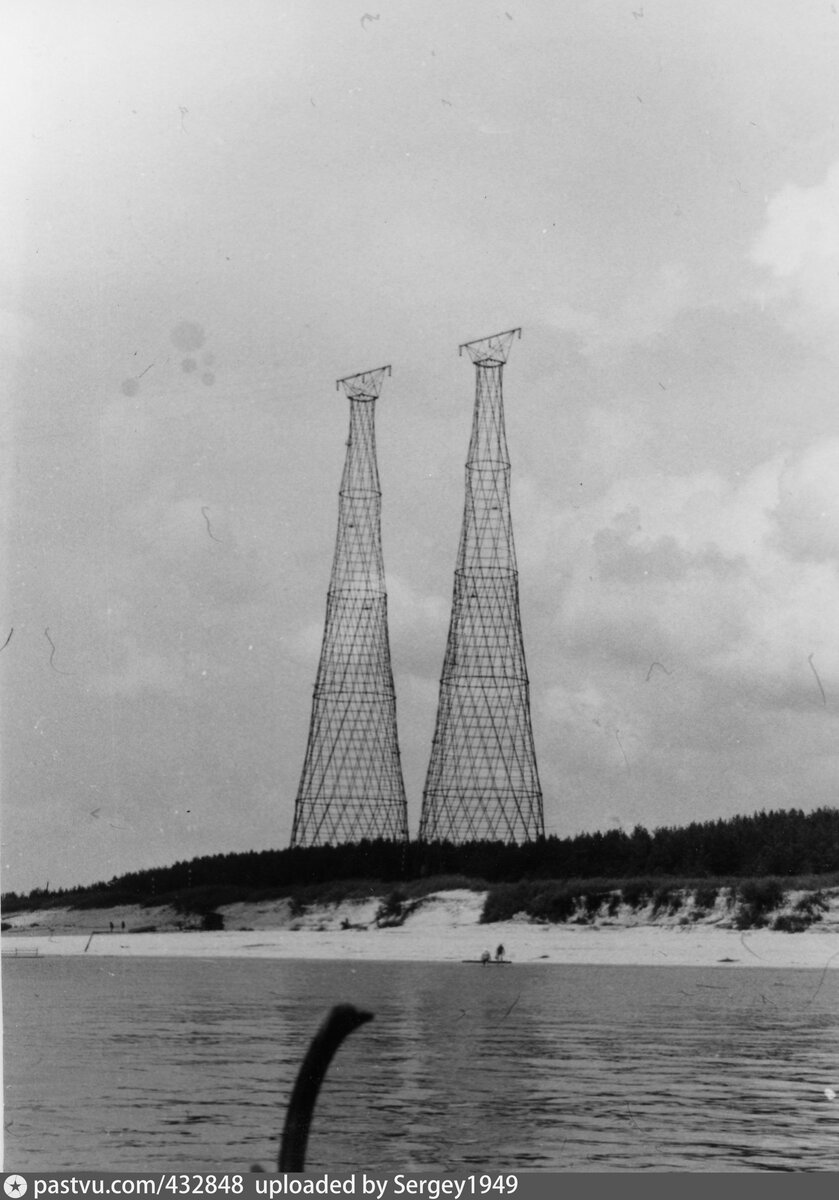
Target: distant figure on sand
{"points": [[499, 954], [486, 958]]}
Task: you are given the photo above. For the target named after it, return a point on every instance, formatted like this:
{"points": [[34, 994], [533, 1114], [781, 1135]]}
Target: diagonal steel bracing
{"points": [[351, 786], [482, 781]]}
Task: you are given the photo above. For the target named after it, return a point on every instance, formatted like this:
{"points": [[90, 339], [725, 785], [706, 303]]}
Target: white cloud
{"points": [[808, 509], [720, 580], [694, 661], [799, 245], [802, 227]]}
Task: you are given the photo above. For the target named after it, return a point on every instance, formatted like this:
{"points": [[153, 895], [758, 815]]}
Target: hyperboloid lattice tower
{"points": [[482, 782], [351, 787]]}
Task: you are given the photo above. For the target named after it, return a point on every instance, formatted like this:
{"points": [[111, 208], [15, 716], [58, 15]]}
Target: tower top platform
{"points": [[364, 386], [490, 351]]}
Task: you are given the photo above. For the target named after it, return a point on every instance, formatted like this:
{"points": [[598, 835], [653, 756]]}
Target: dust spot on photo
{"points": [[130, 387], [188, 335], [188, 365], [209, 378]]}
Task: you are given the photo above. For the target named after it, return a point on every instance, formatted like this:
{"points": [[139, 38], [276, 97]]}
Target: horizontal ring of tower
{"points": [[478, 677], [376, 594], [494, 572], [340, 689]]}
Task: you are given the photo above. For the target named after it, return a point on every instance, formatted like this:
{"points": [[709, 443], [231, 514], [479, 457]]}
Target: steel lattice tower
{"points": [[351, 787], [482, 782]]}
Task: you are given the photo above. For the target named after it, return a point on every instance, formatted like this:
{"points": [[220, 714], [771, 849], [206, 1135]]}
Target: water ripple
{"points": [[187, 1064]]}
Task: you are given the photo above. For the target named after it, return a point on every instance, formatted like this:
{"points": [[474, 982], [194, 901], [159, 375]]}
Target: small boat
{"points": [[487, 959]]}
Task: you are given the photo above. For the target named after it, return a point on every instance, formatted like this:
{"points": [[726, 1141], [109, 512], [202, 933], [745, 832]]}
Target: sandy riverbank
{"points": [[444, 928]]}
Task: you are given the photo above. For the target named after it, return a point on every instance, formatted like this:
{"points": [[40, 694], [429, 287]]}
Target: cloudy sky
{"points": [[215, 209]]}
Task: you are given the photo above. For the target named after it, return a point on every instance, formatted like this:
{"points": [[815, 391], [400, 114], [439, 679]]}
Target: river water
{"points": [[138, 1064]]}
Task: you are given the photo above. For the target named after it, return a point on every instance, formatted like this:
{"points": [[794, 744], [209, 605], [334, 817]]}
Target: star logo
{"points": [[14, 1185]]}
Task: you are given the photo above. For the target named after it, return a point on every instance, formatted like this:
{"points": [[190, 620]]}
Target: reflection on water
{"points": [[186, 1065]]}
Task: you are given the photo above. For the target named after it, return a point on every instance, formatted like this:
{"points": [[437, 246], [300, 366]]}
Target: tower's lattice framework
{"points": [[482, 781], [351, 786]]}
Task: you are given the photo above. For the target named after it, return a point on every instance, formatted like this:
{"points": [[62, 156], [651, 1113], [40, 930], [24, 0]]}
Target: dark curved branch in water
{"points": [[339, 1024]]}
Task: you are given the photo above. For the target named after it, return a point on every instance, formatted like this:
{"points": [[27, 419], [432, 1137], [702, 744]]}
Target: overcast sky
{"points": [[215, 209]]}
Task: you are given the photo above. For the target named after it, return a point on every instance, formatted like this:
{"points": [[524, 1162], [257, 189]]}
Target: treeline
{"points": [[784, 843]]}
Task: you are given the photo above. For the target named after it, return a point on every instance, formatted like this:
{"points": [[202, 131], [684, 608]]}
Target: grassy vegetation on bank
{"points": [[745, 903], [791, 905]]}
